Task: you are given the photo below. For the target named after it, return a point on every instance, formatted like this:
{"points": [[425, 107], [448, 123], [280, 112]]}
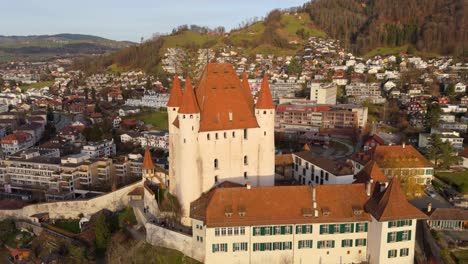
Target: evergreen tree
{"points": [[433, 116], [102, 234], [441, 152]]}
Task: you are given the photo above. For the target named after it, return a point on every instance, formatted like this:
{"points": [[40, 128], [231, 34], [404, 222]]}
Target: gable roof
{"points": [[371, 171], [175, 97], [399, 156], [265, 100], [449, 214], [332, 166], [247, 91], [222, 100], [268, 206], [391, 204]]}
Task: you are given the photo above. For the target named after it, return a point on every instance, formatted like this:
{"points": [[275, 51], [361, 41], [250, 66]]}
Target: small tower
{"points": [[147, 168], [188, 181], [175, 100], [265, 114], [247, 91]]}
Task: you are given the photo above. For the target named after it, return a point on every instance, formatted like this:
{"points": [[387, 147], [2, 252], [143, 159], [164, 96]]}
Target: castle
{"points": [[218, 133]]}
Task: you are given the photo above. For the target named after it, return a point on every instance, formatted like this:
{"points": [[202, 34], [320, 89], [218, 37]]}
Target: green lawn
{"points": [[385, 51], [37, 85], [292, 23], [458, 179], [461, 256], [156, 118], [68, 225], [188, 37]]}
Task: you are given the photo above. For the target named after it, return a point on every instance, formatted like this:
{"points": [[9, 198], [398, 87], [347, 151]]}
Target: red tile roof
{"points": [[267, 205], [265, 101], [392, 204], [18, 136], [247, 91], [175, 98], [399, 156], [371, 171], [222, 100], [449, 214], [189, 103]]}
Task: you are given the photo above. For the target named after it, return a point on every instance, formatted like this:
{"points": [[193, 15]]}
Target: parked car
{"points": [[431, 193]]}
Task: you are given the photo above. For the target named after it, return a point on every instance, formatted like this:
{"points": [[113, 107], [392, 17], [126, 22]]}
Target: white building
{"points": [[452, 137], [16, 142], [216, 134], [104, 148], [360, 92], [350, 223], [323, 93], [149, 99]]}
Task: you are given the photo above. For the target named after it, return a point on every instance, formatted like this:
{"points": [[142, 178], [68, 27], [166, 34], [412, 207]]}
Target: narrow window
{"points": [[245, 175], [245, 133], [216, 164], [225, 134], [216, 179], [233, 134], [191, 116], [216, 135], [208, 136], [264, 112], [245, 160], [264, 133]]}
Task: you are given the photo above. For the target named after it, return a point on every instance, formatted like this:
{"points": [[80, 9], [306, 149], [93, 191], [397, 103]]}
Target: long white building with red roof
{"points": [[218, 133]]}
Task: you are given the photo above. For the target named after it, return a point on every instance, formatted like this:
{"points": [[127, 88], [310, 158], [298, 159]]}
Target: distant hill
{"points": [[431, 26], [53, 46], [281, 33]]}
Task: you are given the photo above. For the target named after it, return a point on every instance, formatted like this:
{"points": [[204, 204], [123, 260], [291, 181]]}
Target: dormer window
{"points": [[306, 212], [325, 211], [241, 210], [357, 210], [228, 211]]}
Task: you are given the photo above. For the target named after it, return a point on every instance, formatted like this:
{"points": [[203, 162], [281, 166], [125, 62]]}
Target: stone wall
{"points": [[162, 237], [35, 228], [113, 201]]}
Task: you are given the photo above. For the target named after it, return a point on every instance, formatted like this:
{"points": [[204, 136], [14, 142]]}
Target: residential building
{"points": [[313, 169], [323, 93], [452, 137], [104, 148], [149, 99], [16, 142], [359, 92], [367, 222]]}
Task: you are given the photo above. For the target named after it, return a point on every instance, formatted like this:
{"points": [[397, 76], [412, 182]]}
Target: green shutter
{"points": [[342, 228], [283, 228], [399, 236], [399, 223], [388, 254], [365, 226], [410, 222], [342, 242], [272, 230], [365, 242], [388, 238], [290, 230], [297, 229], [299, 244], [304, 229], [321, 229], [409, 235], [233, 250], [390, 224], [352, 228], [351, 242], [213, 248], [331, 229], [333, 243], [319, 245], [262, 246]]}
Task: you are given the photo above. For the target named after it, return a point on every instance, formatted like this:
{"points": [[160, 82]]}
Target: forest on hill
{"points": [[431, 26]]}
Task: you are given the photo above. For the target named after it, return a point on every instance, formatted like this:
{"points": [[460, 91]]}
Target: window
{"points": [[277, 229], [225, 135], [391, 237], [392, 224], [304, 229], [242, 230], [245, 175], [239, 246], [191, 116], [216, 179], [404, 252], [216, 231], [229, 231], [216, 165], [256, 231], [361, 227], [405, 222], [326, 244], [326, 176], [245, 133], [405, 236], [216, 136], [223, 231], [347, 228], [324, 229], [392, 253], [233, 134], [360, 242], [245, 160], [267, 231], [208, 136], [219, 247], [305, 244], [346, 243]]}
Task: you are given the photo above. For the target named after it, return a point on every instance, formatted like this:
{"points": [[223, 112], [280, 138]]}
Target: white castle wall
{"points": [[71, 209]]}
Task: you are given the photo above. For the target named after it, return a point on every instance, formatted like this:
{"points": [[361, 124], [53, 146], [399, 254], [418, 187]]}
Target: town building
{"points": [[452, 137], [323, 93], [16, 142], [359, 92], [104, 148], [217, 133]]}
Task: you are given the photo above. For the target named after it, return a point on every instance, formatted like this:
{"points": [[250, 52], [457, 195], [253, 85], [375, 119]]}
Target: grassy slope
{"points": [[155, 118], [459, 179], [37, 85]]}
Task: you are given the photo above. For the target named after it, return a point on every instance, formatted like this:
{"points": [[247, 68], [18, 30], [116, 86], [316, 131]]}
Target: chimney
{"points": [[429, 207], [383, 186], [230, 116], [368, 187], [315, 213], [404, 145], [247, 184], [313, 194]]}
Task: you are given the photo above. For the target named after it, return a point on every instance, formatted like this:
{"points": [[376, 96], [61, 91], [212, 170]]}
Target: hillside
{"points": [[52, 46], [281, 34], [432, 26]]}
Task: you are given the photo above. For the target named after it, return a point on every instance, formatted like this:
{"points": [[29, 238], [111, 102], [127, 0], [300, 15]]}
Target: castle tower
{"points": [[265, 114], [175, 100], [187, 178], [218, 136], [147, 168]]}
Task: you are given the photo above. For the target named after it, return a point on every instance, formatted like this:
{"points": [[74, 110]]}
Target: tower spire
{"points": [[247, 91], [148, 163], [264, 100], [175, 98], [189, 103]]}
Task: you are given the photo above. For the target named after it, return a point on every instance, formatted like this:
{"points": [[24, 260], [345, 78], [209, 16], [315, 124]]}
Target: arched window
{"points": [[264, 112], [216, 165], [191, 116], [245, 160]]}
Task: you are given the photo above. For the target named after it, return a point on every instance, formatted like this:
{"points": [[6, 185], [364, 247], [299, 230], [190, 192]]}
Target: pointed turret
{"points": [[175, 98], [264, 100], [148, 163], [391, 204], [247, 91], [189, 103]]}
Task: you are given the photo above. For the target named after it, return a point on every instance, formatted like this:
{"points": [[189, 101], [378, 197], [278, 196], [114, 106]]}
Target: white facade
{"points": [[100, 149], [323, 93]]}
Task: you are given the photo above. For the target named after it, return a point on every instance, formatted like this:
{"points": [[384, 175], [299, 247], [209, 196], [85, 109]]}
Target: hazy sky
{"points": [[126, 20]]}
